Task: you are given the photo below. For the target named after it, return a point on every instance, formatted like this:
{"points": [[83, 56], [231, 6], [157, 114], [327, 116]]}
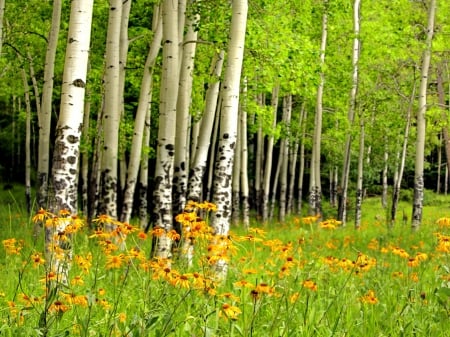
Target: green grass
{"points": [[290, 279]]}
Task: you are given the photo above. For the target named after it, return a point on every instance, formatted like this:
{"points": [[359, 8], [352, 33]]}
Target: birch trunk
{"points": [[360, 176], [111, 114], [199, 163], [315, 188], [84, 153], [26, 89], [236, 177], [140, 124], [162, 193], [68, 129], [44, 118], [2, 14], [269, 154], [444, 116], [421, 123], [342, 212], [181, 160], [123, 56], [384, 191], [143, 175], [398, 181], [259, 160], [228, 131], [244, 161], [301, 170], [287, 110]]}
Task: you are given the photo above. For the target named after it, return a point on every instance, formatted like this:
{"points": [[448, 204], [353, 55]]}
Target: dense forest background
{"points": [[290, 74]]}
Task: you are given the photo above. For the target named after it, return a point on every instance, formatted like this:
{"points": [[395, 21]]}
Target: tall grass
{"points": [[299, 278]]}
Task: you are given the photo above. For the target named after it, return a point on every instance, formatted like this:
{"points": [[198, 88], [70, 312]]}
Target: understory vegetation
{"points": [[305, 277]]}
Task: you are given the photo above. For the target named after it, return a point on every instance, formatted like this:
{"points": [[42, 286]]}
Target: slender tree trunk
{"points": [[275, 181], [287, 111], [259, 160], [421, 123], [162, 193], [293, 151], [228, 132], [123, 57], [236, 177], [111, 114], [85, 157], [269, 155], [244, 161], [360, 176], [44, 118], [441, 101], [68, 131], [2, 13], [384, 182], [439, 164], [398, 181], [197, 171], [140, 124], [342, 212], [181, 160], [301, 171], [26, 89], [315, 188], [143, 175]]}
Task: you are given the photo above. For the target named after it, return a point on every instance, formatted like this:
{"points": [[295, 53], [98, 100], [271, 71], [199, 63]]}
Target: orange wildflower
{"points": [[309, 284], [369, 298], [231, 311]]}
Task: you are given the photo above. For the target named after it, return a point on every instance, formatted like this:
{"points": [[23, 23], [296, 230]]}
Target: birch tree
{"points": [[162, 195], [315, 189], [228, 130], [421, 122], [111, 113], [143, 108], [342, 212], [199, 163], [68, 129], [44, 118], [181, 159]]}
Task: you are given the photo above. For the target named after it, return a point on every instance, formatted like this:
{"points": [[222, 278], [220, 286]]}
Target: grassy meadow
{"points": [[299, 278]]}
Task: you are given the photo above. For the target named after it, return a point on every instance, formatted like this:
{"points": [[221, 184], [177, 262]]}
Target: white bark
{"points": [[236, 178], [315, 188], [143, 175], [301, 170], [398, 180], [44, 118], [421, 123], [359, 180], [287, 110], [111, 113], [342, 212], [2, 14], [162, 194], [244, 161], [26, 89], [181, 161], [139, 123], [228, 127], [68, 129], [269, 155], [204, 140]]}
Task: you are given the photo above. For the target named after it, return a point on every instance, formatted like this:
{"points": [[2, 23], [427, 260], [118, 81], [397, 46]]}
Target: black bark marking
{"points": [[226, 136], [71, 159], [79, 83], [72, 139]]}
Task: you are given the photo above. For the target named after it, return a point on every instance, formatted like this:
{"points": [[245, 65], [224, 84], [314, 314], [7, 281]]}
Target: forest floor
{"points": [[297, 278]]}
